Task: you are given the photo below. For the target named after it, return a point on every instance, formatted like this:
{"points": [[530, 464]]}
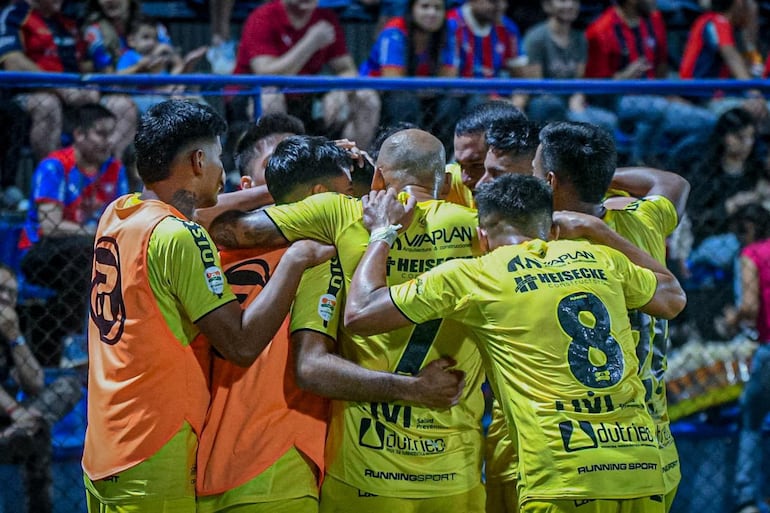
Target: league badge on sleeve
{"points": [[215, 280], [326, 305]]}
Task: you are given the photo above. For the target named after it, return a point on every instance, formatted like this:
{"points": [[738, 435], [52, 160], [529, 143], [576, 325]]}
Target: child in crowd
{"points": [[146, 54]]}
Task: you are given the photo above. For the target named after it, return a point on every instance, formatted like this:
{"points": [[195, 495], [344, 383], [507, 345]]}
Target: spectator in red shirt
{"points": [[710, 51], [628, 41], [295, 37]]}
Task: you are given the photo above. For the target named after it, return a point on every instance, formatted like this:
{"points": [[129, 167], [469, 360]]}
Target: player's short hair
{"points": [[522, 201], [413, 157], [513, 136], [479, 118], [167, 129], [302, 160], [581, 153], [267, 125]]}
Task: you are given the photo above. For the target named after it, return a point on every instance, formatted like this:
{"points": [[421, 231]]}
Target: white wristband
{"points": [[388, 234]]}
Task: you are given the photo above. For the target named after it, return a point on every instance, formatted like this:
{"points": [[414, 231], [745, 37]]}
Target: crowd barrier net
{"points": [[36, 117]]}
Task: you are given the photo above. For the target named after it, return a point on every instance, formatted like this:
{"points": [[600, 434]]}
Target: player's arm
{"points": [[369, 308], [236, 229], [244, 200], [241, 335], [644, 181], [321, 371], [669, 298]]}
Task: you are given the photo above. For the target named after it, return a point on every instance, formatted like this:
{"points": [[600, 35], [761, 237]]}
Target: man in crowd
{"points": [[295, 37]]}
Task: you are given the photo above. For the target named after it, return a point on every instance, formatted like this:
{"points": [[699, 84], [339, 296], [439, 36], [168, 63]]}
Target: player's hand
{"points": [[382, 209], [438, 385], [311, 252], [321, 34], [576, 225]]}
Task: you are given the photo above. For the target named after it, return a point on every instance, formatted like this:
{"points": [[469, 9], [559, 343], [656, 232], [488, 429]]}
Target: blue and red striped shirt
{"points": [[484, 56], [701, 58], [83, 197], [613, 44]]}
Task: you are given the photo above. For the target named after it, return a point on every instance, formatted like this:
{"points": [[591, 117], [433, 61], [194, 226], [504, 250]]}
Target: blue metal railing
{"points": [[250, 84]]}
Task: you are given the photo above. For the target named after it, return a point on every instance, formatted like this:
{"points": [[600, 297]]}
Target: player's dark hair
{"points": [[267, 125], [582, 154], [302, 160], [481, 117], [514, 136], [522, 201], [169, 128]]}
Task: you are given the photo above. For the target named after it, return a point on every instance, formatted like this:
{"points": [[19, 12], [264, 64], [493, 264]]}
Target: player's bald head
{"points": [[412, 157]]}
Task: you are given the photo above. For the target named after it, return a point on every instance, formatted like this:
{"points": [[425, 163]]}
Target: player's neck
{"points": [[592, 209], [418, 192]]}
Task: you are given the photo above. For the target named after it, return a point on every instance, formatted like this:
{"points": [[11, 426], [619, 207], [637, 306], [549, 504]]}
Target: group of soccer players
{"points": [[443, 276]]}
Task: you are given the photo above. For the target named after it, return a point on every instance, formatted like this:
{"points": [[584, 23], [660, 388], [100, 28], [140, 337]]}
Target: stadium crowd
{"points": [[128, 237]]}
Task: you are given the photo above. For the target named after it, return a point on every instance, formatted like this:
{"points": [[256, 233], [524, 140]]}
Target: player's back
{"points": [[552, 318]]}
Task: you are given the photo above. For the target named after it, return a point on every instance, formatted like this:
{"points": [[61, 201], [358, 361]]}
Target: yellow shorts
{"points": [[500, 457], [655, 504], [338, 497], [165, 483], [669, 498], [289, 485], [502, 497]]}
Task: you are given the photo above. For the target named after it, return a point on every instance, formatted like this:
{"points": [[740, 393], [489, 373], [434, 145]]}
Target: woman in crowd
{"points": [[417, 45]]}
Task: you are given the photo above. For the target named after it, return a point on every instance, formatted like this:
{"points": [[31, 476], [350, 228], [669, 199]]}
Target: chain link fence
{"points": [[50, 212]]}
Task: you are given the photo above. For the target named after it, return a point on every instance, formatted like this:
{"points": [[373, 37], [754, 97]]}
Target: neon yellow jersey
{"points": [[459, 193], [319, 300], [646, 223], [394, 449], [185, 275], [551, 323], [501, 463]]}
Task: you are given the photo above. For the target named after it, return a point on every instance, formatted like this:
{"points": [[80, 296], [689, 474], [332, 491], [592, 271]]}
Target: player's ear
{"points": [[446, 186], [246, 182], [197, 161], [553, 233], [319, 188], [378, 181], [483, 239], [550, 178]]}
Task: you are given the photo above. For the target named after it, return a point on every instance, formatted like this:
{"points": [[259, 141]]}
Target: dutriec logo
{"points": [[585, 435]]}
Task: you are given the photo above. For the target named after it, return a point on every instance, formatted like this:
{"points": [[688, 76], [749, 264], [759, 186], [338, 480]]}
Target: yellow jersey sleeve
{"points": [[185, 275], [458, 192], [319, 300], [639, 284], [440, 293], [318, 217]]}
